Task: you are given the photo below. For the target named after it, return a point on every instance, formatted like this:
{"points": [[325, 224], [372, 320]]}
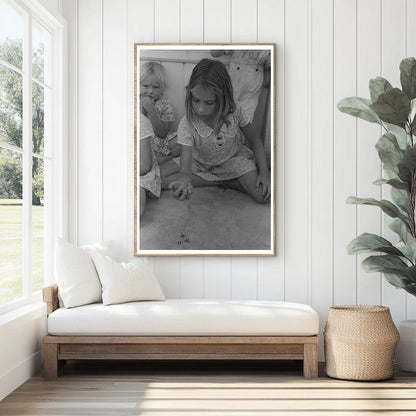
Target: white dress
{"points": [[221, 156], [151, 181]]}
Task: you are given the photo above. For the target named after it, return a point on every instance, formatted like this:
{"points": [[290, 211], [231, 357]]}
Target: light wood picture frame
{"points": [[236, 214]]}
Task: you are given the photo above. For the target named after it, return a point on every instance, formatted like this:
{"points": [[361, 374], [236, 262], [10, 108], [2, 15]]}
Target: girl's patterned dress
{"points": [[151, 181], [165, 112], [219, 156]]}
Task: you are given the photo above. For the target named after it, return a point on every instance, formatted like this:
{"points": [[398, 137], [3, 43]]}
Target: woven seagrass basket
{"points": [[360, 341]]}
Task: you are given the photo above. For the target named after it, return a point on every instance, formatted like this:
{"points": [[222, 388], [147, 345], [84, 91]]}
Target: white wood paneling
{"points": [[70, 11], [297, 146], [217, 21], [244, 21], [321, 152], [217, 278], [114, 124], [345, 152], [192, 278], [167, 19], [90, 127], [326, 50], [191, 21]]}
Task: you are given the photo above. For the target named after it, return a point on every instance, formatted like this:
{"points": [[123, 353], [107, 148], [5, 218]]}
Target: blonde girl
{"points": [[158, 109], [212, 152]]}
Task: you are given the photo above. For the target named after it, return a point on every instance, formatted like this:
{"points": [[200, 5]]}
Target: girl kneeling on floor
{"points": [[212, 152]]}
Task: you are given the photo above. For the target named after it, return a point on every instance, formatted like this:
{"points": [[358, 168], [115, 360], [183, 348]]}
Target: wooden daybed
{"points": [[247, 346]]}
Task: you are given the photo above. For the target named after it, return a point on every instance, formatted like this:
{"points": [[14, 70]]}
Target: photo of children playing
{"points": [[205, 150]]}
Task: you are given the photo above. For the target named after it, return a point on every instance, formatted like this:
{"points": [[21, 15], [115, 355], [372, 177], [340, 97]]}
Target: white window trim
{"points": [[59, 143]]}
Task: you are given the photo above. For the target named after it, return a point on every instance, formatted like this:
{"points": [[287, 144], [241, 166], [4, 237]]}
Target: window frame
{"points": [[57, 225]]}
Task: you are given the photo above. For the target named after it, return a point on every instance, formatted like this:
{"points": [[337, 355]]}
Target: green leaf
{"points": [[396, 271], [381, 263], [410, 158], [404, 173], [397, 280], [408, 249], [378, 86], [408, 77], [400, 198], [398, 184], [359, 107], [366, 243], [400, 228], [401, 139], [389, 208], [411, 289], [392, 107], [389, 151], [380, 182]]}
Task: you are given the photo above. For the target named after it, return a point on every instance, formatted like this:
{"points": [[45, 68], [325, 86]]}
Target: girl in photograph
{"points": [[158, 109], [249, 72], [150, 181], [212, 152]]}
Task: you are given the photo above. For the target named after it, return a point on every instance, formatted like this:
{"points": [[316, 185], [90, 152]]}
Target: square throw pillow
{"points": [[126, 282], [75, 273]]}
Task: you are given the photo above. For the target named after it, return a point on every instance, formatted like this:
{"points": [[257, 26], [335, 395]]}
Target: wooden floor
{"points": [[221, 389]]}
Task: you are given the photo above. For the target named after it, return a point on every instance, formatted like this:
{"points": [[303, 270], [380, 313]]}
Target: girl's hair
{"points": [[213, 75], [154, 69]]}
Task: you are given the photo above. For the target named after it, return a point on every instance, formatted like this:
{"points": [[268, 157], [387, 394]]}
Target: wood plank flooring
{"points": [[207, 389]]}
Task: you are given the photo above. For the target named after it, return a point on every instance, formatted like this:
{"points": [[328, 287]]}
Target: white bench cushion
{"points": [[187, 317]]}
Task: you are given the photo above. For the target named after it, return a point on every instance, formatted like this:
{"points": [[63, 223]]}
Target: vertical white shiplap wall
{"points": [[326, 50], [90, 122], [321, 154], [344, 153], [70, 11], [297, 147], [115, 160]]}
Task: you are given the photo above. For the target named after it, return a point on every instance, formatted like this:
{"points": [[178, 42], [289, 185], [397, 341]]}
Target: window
{"points": [[31, 142]]}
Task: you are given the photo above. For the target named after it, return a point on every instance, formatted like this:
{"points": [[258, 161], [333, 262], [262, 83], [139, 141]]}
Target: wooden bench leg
{"points": [[50, 360], [310, 360]]}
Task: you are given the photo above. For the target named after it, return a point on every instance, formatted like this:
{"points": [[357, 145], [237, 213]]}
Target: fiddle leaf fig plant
{"points": [[394, 109]]}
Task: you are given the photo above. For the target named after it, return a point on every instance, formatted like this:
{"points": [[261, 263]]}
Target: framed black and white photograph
{"points": [[204, 127]]}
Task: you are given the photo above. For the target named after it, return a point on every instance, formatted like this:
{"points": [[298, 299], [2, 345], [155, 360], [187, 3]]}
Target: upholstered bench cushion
{"points": [[185, 317]]}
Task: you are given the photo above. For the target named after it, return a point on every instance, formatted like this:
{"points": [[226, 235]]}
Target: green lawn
{"points": [[11, 249]]}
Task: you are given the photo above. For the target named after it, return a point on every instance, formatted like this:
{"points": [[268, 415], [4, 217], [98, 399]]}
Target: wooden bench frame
{"points": [[58, 349]]}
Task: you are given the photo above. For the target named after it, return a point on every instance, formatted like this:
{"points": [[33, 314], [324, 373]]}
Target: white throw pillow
{"points": [[126, 282], [75, 273]]}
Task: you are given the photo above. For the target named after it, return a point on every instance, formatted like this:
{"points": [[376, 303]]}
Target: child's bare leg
{"points": [[168, 168], [197, 182], [248, 182], [142, 200]]}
